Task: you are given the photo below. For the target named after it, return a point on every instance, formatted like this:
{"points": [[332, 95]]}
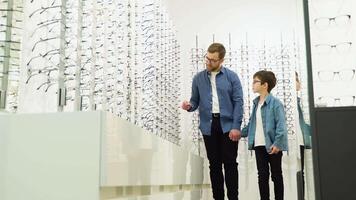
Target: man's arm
{"points": [[193, 104], [194, 99], [237, 98]]}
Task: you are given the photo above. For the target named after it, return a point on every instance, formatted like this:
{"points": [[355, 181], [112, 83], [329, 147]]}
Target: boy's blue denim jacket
{"points": [[274, 124]]}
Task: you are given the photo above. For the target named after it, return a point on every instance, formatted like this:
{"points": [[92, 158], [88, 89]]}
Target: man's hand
{"points": [[274, 150], [235, 135], [186, 105]]}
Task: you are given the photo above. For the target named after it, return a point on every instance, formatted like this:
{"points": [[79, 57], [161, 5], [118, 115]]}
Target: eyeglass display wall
{"points": [[120, 56], [333, 48], [10, 37]]}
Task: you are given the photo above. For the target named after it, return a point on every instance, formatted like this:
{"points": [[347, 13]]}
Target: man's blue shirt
{"points": [[229, 91]]}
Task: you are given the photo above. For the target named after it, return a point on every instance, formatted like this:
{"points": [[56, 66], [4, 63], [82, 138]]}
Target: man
{"points": [[217, 92]]}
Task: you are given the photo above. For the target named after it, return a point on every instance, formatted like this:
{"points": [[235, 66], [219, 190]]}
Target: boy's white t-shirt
{"points": [[260, 135], [215, 99]]}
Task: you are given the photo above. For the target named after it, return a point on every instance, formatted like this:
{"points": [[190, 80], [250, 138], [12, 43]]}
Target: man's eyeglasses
{"points": [[210, 60]]}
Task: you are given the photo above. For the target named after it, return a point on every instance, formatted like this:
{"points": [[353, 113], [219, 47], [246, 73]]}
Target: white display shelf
{"points": [[91, 156]]}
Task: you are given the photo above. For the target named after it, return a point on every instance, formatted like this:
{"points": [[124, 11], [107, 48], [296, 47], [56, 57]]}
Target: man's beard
{"points": [[211, 68]]}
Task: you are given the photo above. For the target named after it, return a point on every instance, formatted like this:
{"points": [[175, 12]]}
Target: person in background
{"points": [[303, 133]]}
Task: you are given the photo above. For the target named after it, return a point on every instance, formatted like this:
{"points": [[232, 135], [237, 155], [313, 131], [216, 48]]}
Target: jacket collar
{"points": [[267, 100]]}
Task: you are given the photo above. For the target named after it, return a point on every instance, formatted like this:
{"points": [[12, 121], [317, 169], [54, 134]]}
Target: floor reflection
{"points": [[248, 186], [188, 195]]}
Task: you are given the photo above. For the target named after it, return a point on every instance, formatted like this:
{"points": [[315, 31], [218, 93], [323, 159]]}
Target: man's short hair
{"points": [[217, 47]]}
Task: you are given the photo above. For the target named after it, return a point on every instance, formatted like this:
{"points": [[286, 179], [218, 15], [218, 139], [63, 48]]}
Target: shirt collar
{"points": [[222, 70]]}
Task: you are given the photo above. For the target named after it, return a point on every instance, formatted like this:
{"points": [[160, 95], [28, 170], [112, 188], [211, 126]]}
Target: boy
{"points": [[267, 134]]}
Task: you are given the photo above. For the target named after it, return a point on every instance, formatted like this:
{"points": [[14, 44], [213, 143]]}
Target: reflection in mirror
{"points": [[303, 132]]}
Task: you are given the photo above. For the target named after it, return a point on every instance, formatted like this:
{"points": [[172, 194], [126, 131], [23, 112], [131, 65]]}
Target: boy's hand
{"points": [[274, 150], [235, 135], [186, 105]]}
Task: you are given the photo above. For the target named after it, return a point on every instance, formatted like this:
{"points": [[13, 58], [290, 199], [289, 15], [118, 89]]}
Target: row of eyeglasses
{"points": [[334, 68], [120, 56], [10, 36]]}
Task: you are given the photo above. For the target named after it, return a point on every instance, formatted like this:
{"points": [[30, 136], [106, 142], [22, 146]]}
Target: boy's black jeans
{"points": [[265, 162]]}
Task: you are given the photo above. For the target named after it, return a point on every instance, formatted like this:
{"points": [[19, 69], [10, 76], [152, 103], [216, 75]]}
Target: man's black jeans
{"points": [[222, 151]]}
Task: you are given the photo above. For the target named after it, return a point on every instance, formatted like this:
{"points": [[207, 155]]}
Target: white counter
{"points": [[89, 156]]}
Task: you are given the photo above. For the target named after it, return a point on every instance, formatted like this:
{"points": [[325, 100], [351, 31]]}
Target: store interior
{"points": [[134, 61]]}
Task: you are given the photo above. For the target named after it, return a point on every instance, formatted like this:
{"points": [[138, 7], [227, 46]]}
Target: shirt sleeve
{"points": [[194, 99], [281, 127], [237, 99]]}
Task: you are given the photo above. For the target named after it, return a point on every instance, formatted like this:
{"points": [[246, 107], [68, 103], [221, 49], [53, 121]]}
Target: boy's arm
{"points": [[244, 132], [281, 127]]}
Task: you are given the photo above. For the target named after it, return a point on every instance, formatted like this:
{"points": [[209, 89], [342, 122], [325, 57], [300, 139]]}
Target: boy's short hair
{"points": [[217, 47], [266, 77]]}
